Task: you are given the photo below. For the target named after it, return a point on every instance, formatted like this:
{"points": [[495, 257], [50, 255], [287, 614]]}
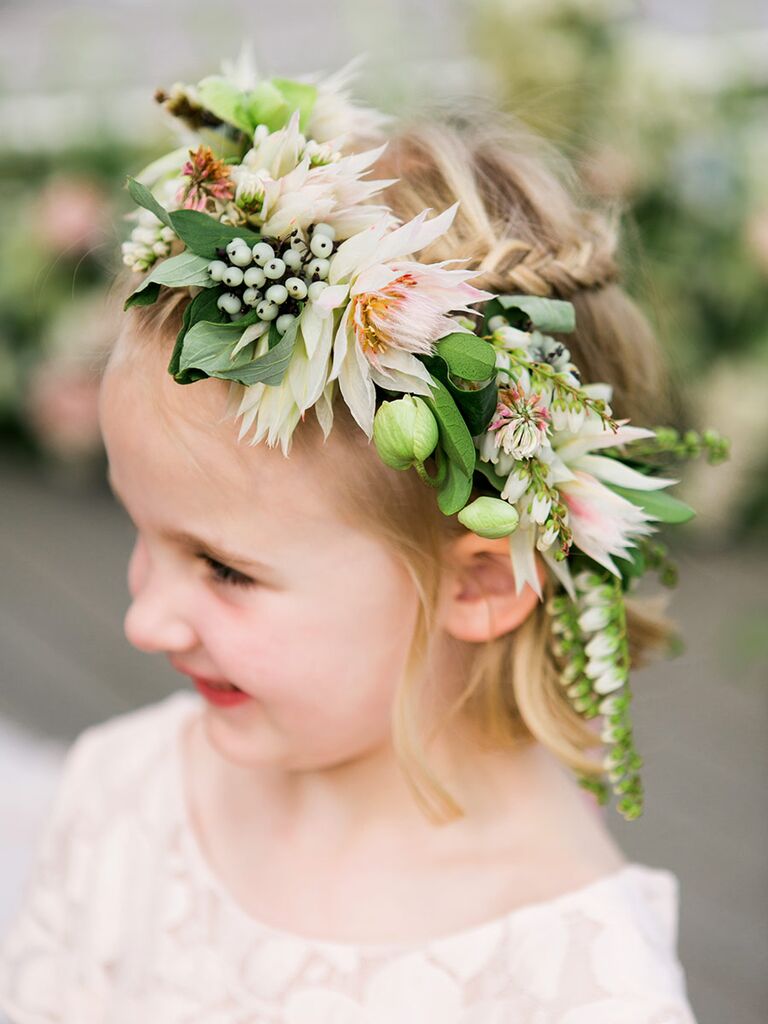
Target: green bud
{"points": [[489, 517], [404, 432]]}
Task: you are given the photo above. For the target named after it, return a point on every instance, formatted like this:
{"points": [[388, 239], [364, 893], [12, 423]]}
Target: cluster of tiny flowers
{"points": [[590, 639], [273, 278], [149, 241]]}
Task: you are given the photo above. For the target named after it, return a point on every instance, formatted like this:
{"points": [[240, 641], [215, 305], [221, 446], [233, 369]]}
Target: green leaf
{"points": [[454, 433], [658, 504], [207, 347], [143, 197], [202, 307], [204, 234], [269, 368], [546, 314], [299, 96], [455, 489], [224, 100], [476, 406], [183, 271], [145, 295], [467, 356], [490, 474]]}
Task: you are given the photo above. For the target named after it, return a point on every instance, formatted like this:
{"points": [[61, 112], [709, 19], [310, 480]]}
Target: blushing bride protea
{"points": [[395, 309], [391, 310]]}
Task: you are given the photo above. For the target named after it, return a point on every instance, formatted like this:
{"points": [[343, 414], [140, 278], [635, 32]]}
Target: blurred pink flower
{"points": [[71, 215]]}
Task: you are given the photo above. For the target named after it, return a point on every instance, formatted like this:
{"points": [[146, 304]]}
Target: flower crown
{"points": [[299, 283]]}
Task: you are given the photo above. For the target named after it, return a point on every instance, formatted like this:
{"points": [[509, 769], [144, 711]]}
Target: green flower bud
{"points": [[404, 432], [489, 517]]}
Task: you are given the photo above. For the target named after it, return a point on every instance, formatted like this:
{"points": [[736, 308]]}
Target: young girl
{"points": [[364, 809]]}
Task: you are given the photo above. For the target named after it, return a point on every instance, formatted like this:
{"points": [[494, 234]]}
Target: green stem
{"points": [[433, 481]]}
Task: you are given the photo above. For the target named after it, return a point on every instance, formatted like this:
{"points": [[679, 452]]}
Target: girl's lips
{"points": [[222, 698]]}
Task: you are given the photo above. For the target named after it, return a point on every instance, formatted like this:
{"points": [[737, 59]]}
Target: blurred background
{"points": [[661, 104]]}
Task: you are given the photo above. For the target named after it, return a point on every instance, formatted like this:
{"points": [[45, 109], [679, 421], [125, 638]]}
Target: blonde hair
{"points": [[523, 225]]}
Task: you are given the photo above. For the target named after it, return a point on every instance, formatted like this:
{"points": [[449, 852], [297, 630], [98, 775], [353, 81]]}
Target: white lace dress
{"points": [[123, 921]]}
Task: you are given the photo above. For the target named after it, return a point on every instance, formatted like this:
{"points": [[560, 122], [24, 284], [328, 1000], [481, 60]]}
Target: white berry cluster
{"points": [[148, 242], [273, 277]]}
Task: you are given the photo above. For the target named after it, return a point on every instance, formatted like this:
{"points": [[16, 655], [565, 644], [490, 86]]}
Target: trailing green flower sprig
{"points": [[671, 445], [590, 641]]}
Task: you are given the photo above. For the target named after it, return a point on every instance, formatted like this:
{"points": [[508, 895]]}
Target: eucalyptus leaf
{"points": [[661, 506], [467, 356], [183, 271], [549, 315], [143, 197]]}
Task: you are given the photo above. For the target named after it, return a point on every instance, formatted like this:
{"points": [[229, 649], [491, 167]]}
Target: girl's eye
{"points": [[224, 574]]}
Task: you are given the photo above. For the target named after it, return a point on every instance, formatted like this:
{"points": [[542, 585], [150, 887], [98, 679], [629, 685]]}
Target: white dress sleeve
{"points": [[35, 950]]}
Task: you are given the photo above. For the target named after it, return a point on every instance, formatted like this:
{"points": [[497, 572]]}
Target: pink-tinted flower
{"points": [[521, 423], [603, 522], [209, 179]]}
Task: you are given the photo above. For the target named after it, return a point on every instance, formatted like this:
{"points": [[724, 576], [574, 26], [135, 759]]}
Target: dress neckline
{"points": [[188, 703]]}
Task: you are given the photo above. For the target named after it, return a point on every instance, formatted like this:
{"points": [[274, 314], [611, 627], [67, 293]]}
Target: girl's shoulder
{"points": [[111, 755]]}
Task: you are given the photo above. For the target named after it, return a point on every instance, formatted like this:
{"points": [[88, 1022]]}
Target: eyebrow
{"points": [[197, 544]]}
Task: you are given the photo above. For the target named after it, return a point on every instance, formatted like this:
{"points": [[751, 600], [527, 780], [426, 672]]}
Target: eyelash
{"points": [[224, 574]]}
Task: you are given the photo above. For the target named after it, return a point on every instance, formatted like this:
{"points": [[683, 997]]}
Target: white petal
{"points": [[250, 334], [615, 472], [341, 342], [373, 279], [416, 234], [587, 440], [563, 572], [521, 549], [356, 253], [357, 388]]}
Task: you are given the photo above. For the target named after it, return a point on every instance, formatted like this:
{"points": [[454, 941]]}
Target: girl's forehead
{"points": [[178, 438]]}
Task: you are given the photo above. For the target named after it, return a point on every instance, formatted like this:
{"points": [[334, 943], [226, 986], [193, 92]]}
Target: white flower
{"points": [[521, 425], [335, 116], [332, 193], [394, 309]]}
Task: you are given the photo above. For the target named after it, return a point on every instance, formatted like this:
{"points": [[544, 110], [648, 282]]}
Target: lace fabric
{"points": [[124, 920]]}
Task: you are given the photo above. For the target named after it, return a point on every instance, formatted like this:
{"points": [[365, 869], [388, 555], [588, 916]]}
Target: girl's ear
{"points": [[479, 601]]}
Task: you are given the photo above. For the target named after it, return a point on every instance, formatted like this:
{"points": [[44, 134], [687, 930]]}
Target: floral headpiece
{"points": [[298, 283]]}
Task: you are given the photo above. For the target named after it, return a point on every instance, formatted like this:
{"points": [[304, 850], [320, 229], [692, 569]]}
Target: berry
{"points": [[262, 253], [296, 288], [267, 310], [315, 290], [254, 277], [284, 322], [217, 269], [274, 269], [241, 257], [317, 269], [229, 303], [277, 293], [321, 245], [232, 277]]}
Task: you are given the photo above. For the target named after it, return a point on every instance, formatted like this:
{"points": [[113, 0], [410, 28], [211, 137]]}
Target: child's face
{"points": [[318, 639]]}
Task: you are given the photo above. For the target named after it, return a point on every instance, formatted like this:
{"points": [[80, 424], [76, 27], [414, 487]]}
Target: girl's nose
{"points": [[157, 619]]}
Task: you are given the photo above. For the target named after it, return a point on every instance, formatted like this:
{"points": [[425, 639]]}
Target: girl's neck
{"points": [[366, 805]]}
